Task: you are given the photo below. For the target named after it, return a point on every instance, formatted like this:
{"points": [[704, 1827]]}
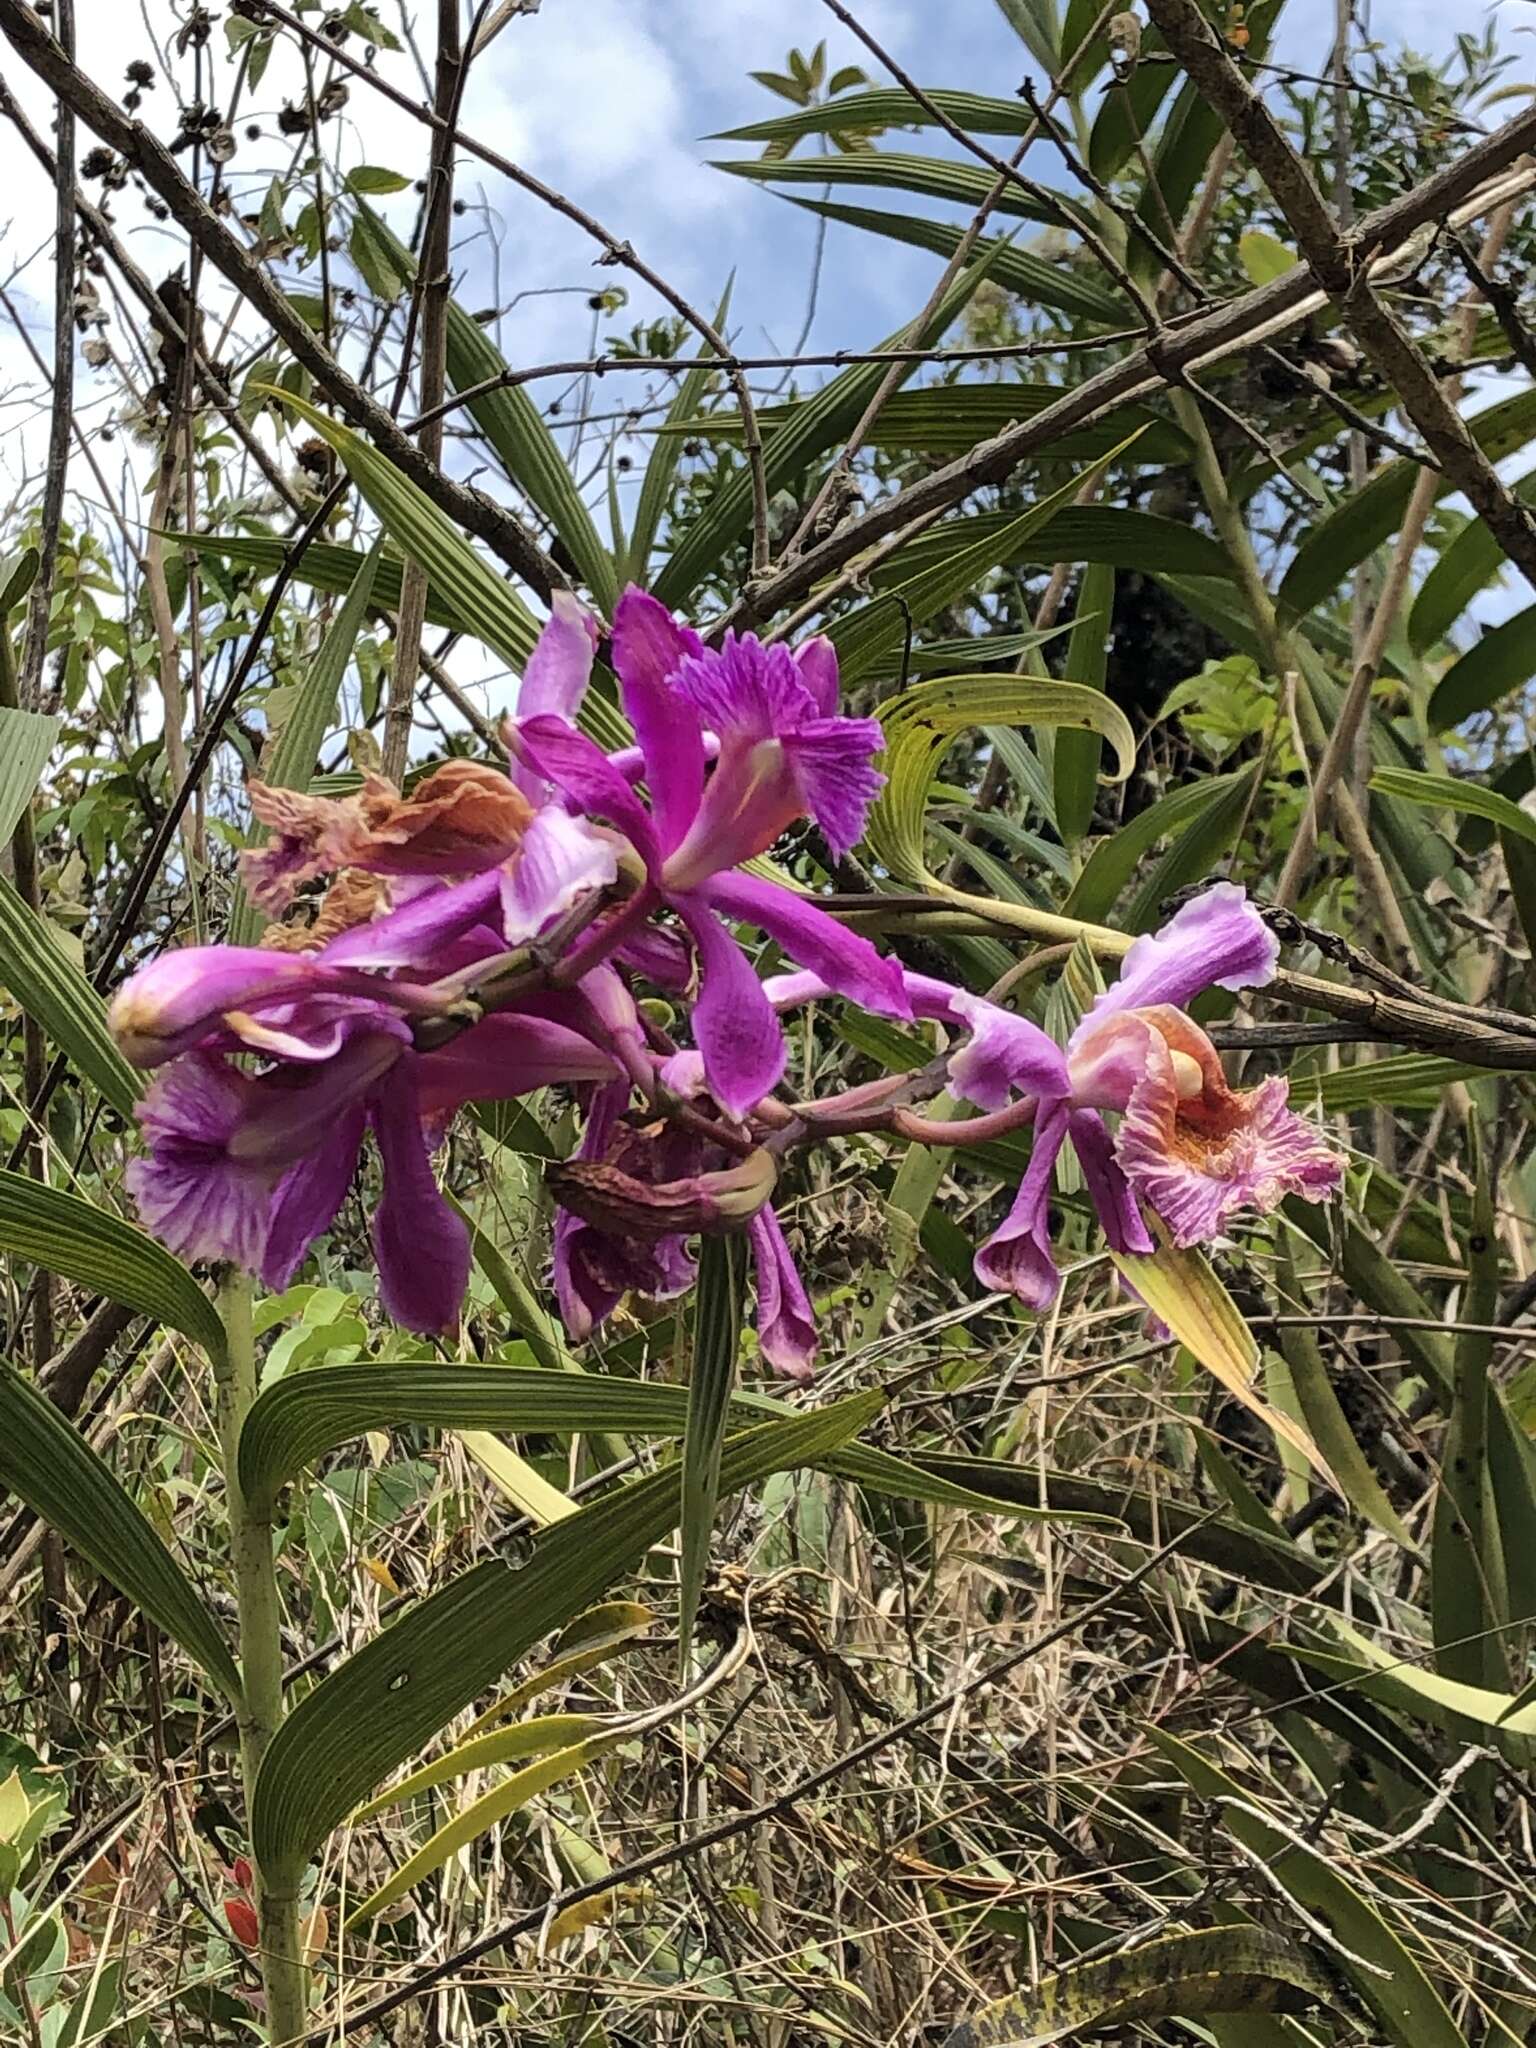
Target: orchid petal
{"points": [[506, 1055], [1218, 940], [197, 1200], [1016, 1259], [421, 1245], [816, 663], [733, 1021], [1125, 1229], [562, 858], [579, 766], [648, 645], [308, 1197], [786, 1325], [831, 763], [844, 960], [415, 935], [1003, 1052]]}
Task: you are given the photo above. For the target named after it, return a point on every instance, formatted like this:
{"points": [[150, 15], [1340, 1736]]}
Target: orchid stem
{"points": [[284, 1975]]}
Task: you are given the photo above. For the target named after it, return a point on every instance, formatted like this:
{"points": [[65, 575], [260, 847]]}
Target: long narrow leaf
{"points": [[26, 741], [66, 1235], [48, 1464], [711, 1378], [50, 988]]}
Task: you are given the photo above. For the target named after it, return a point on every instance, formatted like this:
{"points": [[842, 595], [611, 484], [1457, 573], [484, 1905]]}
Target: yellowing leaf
{"points": [[381, 1575], [1263, 256], [516, 1478], [1180, 1289]]}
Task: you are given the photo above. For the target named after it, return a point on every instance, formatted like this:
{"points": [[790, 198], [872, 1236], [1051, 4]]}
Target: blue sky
{"points": [[611, 101]]}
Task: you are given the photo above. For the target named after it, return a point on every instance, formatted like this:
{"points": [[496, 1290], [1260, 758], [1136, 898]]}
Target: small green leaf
{"points": [[48, 985], [26, 741], [372, 179], [1263, 256]]}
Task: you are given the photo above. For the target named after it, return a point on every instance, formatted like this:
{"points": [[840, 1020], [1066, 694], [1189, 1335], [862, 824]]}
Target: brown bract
{"points": [[354, 898], [461, 819]]}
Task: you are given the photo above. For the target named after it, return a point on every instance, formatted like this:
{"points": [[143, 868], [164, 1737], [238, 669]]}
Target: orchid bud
{"points": [[712, 1203]]}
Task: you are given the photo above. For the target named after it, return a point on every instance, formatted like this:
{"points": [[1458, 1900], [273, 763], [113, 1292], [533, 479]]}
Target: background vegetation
{"points": [[1046, 1686]]}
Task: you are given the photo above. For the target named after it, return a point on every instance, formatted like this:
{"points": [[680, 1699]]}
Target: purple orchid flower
{"points": [[253, 1168], [780, 752], [1187, 1146]]}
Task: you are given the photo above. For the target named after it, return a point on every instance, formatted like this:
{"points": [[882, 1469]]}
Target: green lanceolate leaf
{"points": [[1405, 1080], [1382, 1968], [1500, 662], [1076, 767], [292, 759], [1343, 538], [502, 620], [48, 985], [946, 419], [1036, 280], [921, 724], [1468, 563], [26, 741], [711, 1379], [1450, 793], [483, 1753], [485, 1812], [323, 566], [66, 1235], [1114, 860], [926, 177], [48, 1464], [1325, 1418], [817, 425], [387, 1700], [1469, 1602], [1179, 1976], [886, 107]]}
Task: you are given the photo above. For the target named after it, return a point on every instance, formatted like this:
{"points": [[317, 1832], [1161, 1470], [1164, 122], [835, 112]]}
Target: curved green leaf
{"points": [[51, 989], [886, 107], [483, 1753], [925, 177], [48, 1464], [947, 419], [1468, 563], [1036, 280], [1179, 1976], [1113, 861], [1450, 793], [66, 1235], [323, 566], [1343, 538], [661, 468], [921, 724], [1501, 661]]}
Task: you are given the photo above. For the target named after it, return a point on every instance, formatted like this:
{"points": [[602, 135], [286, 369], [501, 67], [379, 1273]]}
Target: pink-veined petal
{"points": [[579, 767], [816, 664], [1125, 1229], [845, 961], [733, 1021], [1218, 940], [1016, 1259], [786, 1325], [648, 646], [307, 1198], [562, 858], [1002, 1054]]}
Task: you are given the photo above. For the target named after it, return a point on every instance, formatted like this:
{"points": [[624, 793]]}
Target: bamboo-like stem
{"points": [[284, 1974]]}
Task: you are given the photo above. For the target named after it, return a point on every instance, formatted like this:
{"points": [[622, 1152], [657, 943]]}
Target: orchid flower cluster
{"points": [[504, 930]]}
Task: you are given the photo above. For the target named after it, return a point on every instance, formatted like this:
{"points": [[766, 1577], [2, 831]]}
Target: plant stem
{"points": [[283, 1973]]}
